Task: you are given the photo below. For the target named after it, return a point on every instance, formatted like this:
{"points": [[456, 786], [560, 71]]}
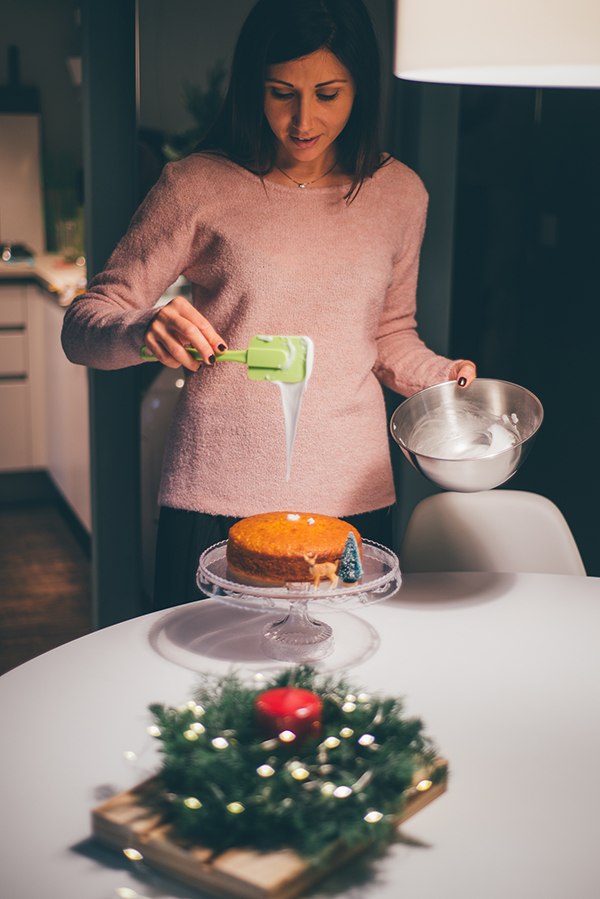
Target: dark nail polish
{"points": [[211, 360], [462, 382], [221, 348]]}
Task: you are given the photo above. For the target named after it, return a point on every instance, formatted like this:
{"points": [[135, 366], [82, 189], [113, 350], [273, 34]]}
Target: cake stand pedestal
{"points": [[295, 635]]}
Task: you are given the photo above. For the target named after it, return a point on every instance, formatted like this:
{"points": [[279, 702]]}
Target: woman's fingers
{"points": [[179, 325], [464, 373]]}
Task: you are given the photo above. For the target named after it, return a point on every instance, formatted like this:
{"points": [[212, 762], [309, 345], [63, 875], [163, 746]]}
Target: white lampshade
{"points": [[527, 43]]}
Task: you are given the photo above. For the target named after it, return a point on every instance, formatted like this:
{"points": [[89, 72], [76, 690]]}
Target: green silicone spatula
{"points": [[269, 358]]}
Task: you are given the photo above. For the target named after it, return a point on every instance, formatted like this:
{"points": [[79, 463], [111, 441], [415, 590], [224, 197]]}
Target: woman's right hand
{"points": [[179, 324]]}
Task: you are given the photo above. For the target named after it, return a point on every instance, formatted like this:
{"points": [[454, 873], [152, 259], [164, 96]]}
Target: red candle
{"points": [[289, 709]]}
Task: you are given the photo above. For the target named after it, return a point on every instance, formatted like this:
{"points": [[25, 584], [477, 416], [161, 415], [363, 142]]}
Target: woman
{"points": [[286, 220]]}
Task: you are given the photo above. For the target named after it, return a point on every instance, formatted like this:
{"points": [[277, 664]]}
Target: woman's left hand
{"points": [[463, 372]]}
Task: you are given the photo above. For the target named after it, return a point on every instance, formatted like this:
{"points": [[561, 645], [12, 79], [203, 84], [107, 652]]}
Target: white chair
{"points": [[495, 530]]}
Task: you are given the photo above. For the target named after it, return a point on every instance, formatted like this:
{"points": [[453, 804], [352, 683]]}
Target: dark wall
{"points": [[525, 298]]}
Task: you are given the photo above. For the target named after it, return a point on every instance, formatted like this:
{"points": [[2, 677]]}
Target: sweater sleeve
{"points": [[404, 363], [104, 328]]}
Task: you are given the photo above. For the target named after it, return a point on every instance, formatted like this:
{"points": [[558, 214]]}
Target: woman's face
{"points": [[307, 104]]}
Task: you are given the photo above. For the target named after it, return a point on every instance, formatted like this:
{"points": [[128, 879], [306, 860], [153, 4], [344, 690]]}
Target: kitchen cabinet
{"points": [[43, 396]]}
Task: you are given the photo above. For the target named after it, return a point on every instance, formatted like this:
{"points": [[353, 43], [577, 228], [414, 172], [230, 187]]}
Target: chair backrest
{"points": [[495, 530]]}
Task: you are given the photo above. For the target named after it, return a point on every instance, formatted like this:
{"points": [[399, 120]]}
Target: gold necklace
{"points": [[306, 183]]}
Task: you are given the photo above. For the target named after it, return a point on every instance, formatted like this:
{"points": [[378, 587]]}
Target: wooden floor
{"points": [[45, 583]]}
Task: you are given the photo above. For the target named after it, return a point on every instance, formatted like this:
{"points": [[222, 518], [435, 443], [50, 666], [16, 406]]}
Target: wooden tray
{"points": [[124, 822]]}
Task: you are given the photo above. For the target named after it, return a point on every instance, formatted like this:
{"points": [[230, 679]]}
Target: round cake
{"points": [[280, 547]]}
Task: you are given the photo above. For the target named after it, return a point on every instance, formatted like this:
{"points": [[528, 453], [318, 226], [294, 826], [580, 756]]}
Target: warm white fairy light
{"points": [[130, 756], [198, 710], [259, 678], [126, 893], [218, 742], [373, 817], [327, 789], [287, 736], [326, 769], [133, 854], [192, 802], [154, 731], [197, 727], [331, 742], [269, 744], [346, 732], [424, 785], [191, 705], [366, 739], [265, 771], [349, 707], [363, 698], [300, 773], [342, 792], [236, 808], [190, 735]]}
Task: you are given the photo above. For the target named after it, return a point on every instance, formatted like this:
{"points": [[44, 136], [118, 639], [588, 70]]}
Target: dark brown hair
{"points": [[277, 31]]}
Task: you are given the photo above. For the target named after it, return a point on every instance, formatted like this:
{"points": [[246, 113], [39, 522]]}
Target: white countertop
{"points": [[504, 670]]}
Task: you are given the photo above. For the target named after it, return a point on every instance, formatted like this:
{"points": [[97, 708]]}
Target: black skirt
{"points": [[183, 536]]}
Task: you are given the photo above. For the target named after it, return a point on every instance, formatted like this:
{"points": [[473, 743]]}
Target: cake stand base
{"points": [[297, 637]]}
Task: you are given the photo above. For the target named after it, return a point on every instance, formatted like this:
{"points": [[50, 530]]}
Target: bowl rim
{"points": [[442, 385]]}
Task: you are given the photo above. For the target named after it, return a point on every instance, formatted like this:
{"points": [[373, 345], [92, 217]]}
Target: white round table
{"points": [[504, 669]]}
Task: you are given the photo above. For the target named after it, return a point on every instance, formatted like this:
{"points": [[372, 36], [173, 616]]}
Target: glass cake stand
{"points": [[296, 636]]}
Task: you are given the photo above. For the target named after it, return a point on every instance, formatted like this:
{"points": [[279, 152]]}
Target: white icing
{"points": [[293, 518], [291, 399], [310, 521], [466, 435]]}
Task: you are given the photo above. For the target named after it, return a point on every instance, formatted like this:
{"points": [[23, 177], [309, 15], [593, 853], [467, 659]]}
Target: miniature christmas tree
{"points": [[350, 569]]}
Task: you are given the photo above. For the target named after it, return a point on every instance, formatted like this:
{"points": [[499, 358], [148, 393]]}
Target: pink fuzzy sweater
{"points": [[272, 259]]}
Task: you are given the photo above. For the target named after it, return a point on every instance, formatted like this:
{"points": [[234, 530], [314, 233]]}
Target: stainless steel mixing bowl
{"points": [[468, 439]]}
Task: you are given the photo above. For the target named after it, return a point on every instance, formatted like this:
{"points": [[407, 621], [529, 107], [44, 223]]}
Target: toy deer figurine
{"points": [[320, 570]]}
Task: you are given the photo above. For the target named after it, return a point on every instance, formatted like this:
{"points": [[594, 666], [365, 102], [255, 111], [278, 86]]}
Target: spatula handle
{"points": [[228, 355]]}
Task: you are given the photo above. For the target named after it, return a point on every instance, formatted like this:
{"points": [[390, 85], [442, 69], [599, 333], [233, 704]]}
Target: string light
{"points": [[423, 785], [300, 773], [342, 792], [287, 736], [327, 789], [197, 727], [265, 770], [363, 698], [133, 855], [235, 808], [366, 740], [190, 735], [192, 802], [130, 756], [154, 731], [346, 732], [350, 697], [218, 742], [331, 742], [349, 707], [373, 817]]}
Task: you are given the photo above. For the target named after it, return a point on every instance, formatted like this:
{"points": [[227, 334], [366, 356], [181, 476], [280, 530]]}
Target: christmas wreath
{"points": [[302, 761]]}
